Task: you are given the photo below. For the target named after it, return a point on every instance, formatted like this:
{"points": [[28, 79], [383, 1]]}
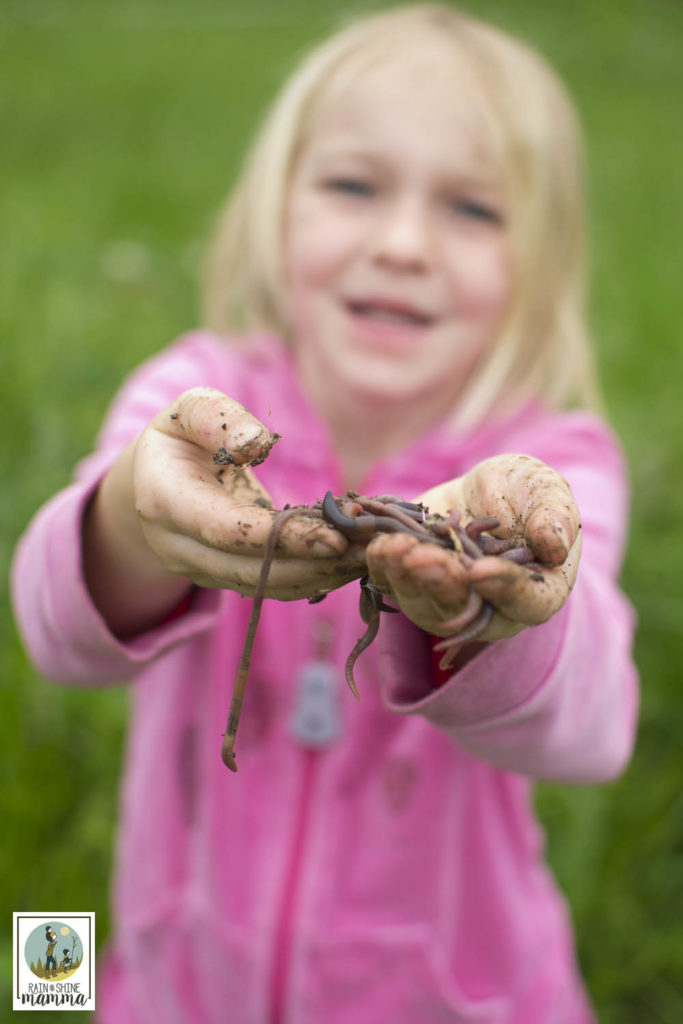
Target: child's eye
{"points": [[350, 186], [477, 211]]}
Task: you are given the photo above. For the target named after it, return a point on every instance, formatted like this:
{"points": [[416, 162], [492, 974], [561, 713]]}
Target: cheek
{"points": [[486, 282], [310, 264], [299, 260], [316, 245]]}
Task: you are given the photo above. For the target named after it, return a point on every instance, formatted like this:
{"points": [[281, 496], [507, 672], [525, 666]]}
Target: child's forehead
{"points": [[425, 100], [401, 73]]}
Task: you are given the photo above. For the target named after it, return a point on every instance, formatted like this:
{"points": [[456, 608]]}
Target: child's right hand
{"points": [[180, 506]]}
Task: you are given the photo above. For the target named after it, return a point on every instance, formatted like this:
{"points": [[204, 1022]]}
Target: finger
{"points": [[529, 499], [398, 558], [516, 592], [524, 595], [552, 527], [288, 578], [426, 580], [219, 425], [208, 517], [385, 556]]}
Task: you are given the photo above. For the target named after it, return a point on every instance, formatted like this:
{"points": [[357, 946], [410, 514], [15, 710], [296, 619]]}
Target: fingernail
{"points": [[561, 534], [250, 432]]}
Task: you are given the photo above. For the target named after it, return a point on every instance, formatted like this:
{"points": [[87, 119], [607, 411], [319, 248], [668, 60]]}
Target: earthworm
{"points": [[239, 686], [479, 614], [371, 604], [360, 519]]}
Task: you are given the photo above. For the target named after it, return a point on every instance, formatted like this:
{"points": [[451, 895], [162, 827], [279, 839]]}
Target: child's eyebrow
{"points": [[329, 152], [484, 184]]}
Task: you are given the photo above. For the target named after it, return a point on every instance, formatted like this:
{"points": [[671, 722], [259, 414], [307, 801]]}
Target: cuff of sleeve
{"points": [[497, 681], [68, 638]]}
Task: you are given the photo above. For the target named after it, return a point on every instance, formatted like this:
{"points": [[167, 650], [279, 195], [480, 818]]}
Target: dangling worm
{"points": [[371, 604], [239, 686]]}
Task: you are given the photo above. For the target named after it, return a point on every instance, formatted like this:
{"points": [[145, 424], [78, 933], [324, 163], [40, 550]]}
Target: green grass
{"points": [[122, 125]]}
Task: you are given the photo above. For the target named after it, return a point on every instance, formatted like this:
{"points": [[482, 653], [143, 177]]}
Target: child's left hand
{"points": [[532, 502]]}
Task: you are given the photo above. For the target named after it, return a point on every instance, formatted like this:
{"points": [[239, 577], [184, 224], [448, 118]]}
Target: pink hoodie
{"points": [[395, 875]]}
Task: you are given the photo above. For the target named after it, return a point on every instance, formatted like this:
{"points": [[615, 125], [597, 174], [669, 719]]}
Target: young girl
{"points": [[395, 288]]}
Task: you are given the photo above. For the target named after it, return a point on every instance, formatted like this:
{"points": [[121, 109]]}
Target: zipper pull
{"points": [[316, 718]]}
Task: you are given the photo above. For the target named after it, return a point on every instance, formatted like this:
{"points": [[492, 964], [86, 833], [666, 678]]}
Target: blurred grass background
{"points": [[122, 125]]}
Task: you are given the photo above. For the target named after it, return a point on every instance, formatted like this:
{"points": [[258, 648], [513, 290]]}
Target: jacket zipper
{"points": [[282, 946]]}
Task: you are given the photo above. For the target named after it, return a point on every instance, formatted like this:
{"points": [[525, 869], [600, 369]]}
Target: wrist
{"points": [[128, 584]]}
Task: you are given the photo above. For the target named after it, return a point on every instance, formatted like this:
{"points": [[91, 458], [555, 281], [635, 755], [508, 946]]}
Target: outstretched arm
{"points": [[559, 700]]}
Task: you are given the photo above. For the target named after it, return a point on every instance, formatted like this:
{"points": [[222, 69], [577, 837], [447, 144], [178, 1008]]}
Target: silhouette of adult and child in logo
{"points": [[50, 961]]}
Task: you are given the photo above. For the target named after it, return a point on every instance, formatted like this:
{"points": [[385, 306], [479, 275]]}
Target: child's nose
{"points": [[404, 240]]}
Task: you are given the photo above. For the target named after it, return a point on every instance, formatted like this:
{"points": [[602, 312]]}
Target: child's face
{"points": [[397, 255]]}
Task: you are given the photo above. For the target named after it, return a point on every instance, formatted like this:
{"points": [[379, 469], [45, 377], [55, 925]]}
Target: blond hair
{"points": [[543, 348]]}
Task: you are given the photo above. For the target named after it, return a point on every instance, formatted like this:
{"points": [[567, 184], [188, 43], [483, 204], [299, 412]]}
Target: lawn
{"points": [[122, 125]]}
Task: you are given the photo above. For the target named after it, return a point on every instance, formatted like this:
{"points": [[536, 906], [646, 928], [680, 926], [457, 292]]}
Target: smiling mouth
{"points": [[391, 314]]}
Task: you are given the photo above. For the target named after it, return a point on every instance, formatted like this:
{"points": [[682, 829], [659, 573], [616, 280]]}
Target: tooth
{"points": [[391, 317]]}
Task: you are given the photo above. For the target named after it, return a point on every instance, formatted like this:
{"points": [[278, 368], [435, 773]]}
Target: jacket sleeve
{"points": [[558, 701], [62, 631]]}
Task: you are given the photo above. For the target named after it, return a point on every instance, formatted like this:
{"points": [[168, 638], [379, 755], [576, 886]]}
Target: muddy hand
{"points": [[205, 515], [534, 505]]}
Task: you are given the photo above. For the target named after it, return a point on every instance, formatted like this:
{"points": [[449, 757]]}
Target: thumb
{"points": [[219, 425]]}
